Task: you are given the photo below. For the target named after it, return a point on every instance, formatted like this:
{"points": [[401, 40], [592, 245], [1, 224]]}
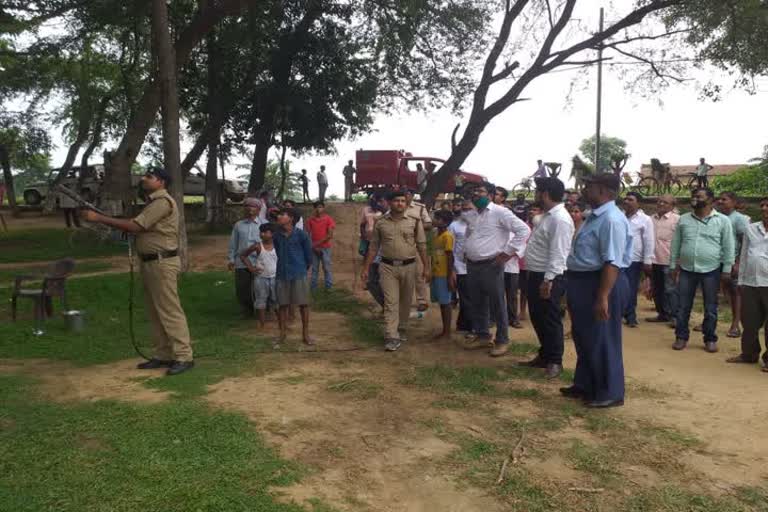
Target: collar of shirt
{"points": [[706, 219], [602, 209], [158, 193]]}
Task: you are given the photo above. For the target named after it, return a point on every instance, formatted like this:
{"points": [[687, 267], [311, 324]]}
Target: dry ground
{"points": [[426, 429]]}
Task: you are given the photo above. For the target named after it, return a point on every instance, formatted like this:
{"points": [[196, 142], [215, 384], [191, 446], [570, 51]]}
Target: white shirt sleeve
{"points": [[560, 241], [520, 231], [649, 241]]}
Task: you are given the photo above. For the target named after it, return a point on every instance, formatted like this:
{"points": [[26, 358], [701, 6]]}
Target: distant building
{"points": [[688, 170]]}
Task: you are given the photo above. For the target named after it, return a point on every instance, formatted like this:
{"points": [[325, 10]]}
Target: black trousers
{"points": [[244, 290], [464, 320], [546, 318], [71, 217], [754, 313], [510, 290]]}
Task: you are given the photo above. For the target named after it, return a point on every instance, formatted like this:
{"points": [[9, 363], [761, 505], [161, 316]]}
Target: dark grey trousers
{"points": [[754, 313], [244, 290], [486, 284]]}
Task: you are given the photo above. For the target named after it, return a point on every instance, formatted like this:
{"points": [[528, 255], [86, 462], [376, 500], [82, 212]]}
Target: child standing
{"points": [[264, 270], [442, 269]]}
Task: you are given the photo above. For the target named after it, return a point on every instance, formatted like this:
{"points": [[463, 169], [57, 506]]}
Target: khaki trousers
{"points": [[170, 332], [397, 285], [422, 288]]}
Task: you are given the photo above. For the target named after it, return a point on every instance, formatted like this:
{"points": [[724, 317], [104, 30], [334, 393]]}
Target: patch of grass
{"points": [[212, 313], [522, 349], [669, 436], [7, 276], [595, 460], [603, 423], [674, 499], [358, 388], [526, 496], [451, 402], [473, 449], [755, 497], [53, 244], [176, 456], [472, 380], [342, 301]]}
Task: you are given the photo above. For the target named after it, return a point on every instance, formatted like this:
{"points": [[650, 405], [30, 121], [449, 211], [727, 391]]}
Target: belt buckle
{"points": [[397, 263]]}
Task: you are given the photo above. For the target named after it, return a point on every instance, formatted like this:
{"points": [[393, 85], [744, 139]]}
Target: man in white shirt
{"points": [[511, 270], [753, 279], [545, 262], [541, 170], [322, 182], [643, 247], [487, 250], [458, 229]]}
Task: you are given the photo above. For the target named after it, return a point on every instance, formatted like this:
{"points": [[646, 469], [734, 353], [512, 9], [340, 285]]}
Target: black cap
{"points": [[159, 173], [606, 179]]}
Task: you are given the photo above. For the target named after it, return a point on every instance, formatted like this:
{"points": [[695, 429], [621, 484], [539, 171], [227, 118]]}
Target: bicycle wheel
{"points": [[646, 186], [675, 187], [693, 183], [521, 188]]}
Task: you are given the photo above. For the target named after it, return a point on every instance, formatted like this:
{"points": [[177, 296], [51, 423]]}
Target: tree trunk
{"points": [[259, 164], [214, 201], [10, 190], [283, 173], [461, 151], [169, 101], [119, 184], [98, 126]]}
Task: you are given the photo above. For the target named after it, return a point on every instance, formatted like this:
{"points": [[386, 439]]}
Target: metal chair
{"points": [[53, 285]]}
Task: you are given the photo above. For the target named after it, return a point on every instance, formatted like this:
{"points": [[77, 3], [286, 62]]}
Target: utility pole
{"points": [[599, 94]]}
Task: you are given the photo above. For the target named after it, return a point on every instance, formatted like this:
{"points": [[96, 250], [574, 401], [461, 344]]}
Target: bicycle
{"points": [[524, 187]]}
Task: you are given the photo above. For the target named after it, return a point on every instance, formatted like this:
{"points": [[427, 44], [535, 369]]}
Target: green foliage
{"points": [[732, 34], [175, 456], [610, 147], [748, 181]]}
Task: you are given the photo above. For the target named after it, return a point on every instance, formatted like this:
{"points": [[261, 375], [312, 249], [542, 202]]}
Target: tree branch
{"points": [[653, 66]]}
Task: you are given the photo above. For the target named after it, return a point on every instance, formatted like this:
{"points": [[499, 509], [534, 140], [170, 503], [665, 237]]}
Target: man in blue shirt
{"points": [[294, 259], [245, 233], [598, 291]]}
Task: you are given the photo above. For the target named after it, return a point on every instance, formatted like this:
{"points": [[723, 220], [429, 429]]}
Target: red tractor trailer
{"points": [[378, 169]]}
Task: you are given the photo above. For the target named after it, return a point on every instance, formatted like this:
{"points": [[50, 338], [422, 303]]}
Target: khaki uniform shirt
{"points": [[398, 238], [419, 211], [160, 223]]}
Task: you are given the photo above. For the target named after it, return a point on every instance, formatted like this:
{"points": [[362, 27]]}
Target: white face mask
{"points": [[536, 219]]}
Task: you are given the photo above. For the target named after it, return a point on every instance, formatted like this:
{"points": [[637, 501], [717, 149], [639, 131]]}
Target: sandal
{"points": [[734, 333]]}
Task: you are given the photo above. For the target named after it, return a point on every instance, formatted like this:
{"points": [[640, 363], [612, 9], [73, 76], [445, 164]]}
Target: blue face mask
{"points": [[481, 202]]}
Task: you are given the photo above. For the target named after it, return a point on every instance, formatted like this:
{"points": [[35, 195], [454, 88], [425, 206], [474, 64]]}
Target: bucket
{"points": [[75, 320]]}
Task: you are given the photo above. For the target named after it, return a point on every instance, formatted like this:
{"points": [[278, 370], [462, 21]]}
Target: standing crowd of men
{"points": [[568, 251]]}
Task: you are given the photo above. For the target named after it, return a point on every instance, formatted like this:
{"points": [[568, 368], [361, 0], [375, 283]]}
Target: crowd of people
{"points": [[492, 260], [589, 253]]}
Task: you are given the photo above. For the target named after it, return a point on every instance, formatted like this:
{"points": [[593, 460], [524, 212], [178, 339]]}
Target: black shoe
{"points": [[180, 367], [633, 324], [516, 324], [572, 392], [604, 404], [658, 319], [153, 364], [553, 371], [536, 362]]}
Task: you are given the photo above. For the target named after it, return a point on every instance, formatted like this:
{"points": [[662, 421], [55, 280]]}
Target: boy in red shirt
{"points": [[320, 228]]}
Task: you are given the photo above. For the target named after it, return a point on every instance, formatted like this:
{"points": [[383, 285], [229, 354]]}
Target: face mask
{"points": [[536, 220], [481, 202]]}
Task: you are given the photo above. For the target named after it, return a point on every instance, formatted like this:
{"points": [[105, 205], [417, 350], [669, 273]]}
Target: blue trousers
{"points": [[634, 271], [686, 288], [599, 363], [325, 259], [664, 292], [488, 300]]}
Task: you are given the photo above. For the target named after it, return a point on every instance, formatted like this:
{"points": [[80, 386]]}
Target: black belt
{"points": [[482, 262], [158, 255], [398, 263]]}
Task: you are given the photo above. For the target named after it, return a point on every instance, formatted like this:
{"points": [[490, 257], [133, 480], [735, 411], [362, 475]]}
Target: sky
{"points": [[675, 126]]}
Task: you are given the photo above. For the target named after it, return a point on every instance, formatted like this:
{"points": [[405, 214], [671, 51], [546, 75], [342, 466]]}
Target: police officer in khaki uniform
{"points": [[419, 211], [157, 231], [401, 240]]}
